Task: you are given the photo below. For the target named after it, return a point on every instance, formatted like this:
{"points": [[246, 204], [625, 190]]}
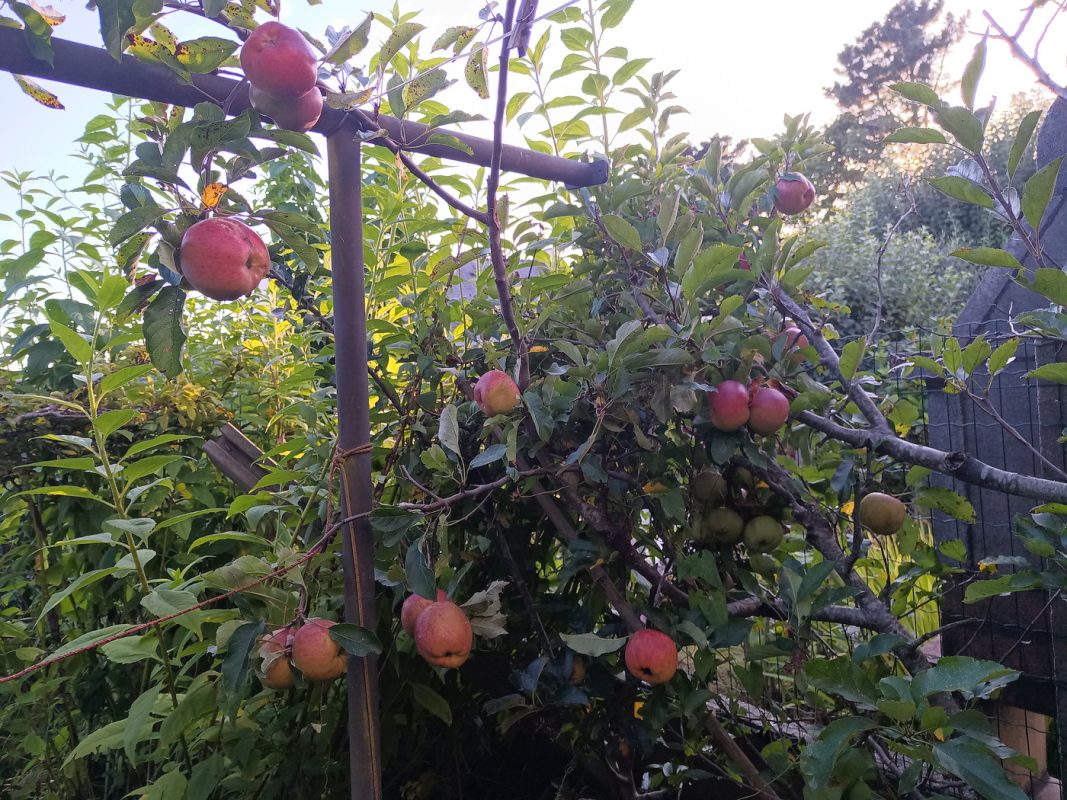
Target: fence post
{"points": [[353, 422]]}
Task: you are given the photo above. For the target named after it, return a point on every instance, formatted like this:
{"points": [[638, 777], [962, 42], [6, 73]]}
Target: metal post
{"points": [[353, 420]]}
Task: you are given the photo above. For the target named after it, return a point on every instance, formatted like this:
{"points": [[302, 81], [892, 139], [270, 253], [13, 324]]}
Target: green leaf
{"points": [[205, 54], [947, 501], [155, 441], [137, 720], [116, 19], [82, 581], [164, 337], [841, 677], [355, 640], [916, 136], [136, 296], [119, 378], [448, 428], [400, 36], [212, 8], [351, 44], [819, 757], [135, 221], [976, 767], [589, 644], [969, 676], [1054, 373], [420, 579], [91, 638], [614, 12], [1022, 140], [714, 263], [61, 491], [38, 32], [962, 189], [963, 125], [495, 452], [987, 257], [917, 92], [152, 465], [132, 649], [79, 349], [1051, 283], [235, 666], [140, 527], [972, 73], [975, 354], [425, 86], [432, 702], [622, 232], [1038, 191], [851, 356], [111, 421], [1003, 356]]}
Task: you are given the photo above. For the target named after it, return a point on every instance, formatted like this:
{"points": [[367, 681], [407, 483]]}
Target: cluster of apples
{"points": [[733, 405], [716, 524], [309, 648], [443, 634], [282, 71]]}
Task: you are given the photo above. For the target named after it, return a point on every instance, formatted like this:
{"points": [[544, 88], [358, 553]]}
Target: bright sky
{"points": [[744, 64]]}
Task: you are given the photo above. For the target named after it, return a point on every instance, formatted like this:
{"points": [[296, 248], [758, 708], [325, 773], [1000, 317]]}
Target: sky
{"points": [[744, 63]]}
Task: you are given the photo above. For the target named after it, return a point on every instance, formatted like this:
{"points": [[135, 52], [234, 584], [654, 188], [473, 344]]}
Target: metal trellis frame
{"points": [[93, 68]]}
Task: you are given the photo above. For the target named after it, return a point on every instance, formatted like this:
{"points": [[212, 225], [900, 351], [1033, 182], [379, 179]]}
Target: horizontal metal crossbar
{"points": [[94, 68]]}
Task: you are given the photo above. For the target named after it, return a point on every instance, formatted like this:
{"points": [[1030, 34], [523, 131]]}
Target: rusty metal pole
{"points": [[353, 422]]}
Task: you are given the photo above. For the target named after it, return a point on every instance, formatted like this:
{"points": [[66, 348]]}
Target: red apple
{"points": [[794, 337], [651, 656], [793, 193], [443, 634], [316, 654], [728, 406], [274, 649], [496, 393], [743, 263], [278, 60], [223, 259], [768, 410], [413, 606], [292, 113]]}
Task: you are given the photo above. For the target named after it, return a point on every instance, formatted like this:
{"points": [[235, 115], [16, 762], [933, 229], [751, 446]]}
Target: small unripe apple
{"points": [[223, 259], [793, 193], [316, 654], [279, 60], [292, 113], [413, 606], [443, 634], [882, 513], [275, 649], [768, 410], [651, 656], [496, 393], [728, 406], [763, 534], [709, 487], [722, 526]]}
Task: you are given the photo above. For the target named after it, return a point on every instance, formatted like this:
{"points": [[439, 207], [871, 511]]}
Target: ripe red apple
{"points": [[274, 649], [763, 534], [768, 410], [882, 513], [413, 606], [794, 337], [793, 193], [496, 393], [443, 634], [292, 113], [651, 656], [223, 259], [722, 526], [278, 60], [315, 654], [728, 406], [743, 263]]}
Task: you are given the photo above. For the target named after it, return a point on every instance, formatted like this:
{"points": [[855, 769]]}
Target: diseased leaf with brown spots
{"points": [[346, 101], [34, 90], [425, 87], [401, 35], [477, 70], [212, 194], [50, 14]]}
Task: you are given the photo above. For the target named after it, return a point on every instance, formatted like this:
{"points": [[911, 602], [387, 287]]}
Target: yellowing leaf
{"points": [[848, 507], [346, 101], [476, 71], [939, 734], [538, 348], [987, 566], [212, 194], [34, 90], [637, 710], [49, 14], [654, 487]]}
